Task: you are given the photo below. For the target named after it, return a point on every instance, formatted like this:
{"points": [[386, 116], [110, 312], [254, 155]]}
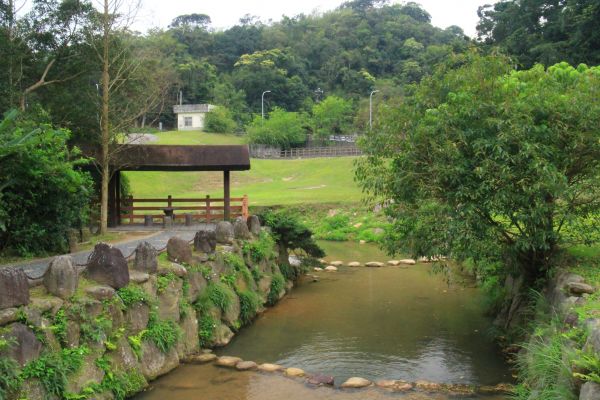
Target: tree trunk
{"points": [[105, 128]]}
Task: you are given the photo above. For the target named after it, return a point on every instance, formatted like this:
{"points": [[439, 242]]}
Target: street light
{"points": [[262, 103], [371, 108], [319, 93]]}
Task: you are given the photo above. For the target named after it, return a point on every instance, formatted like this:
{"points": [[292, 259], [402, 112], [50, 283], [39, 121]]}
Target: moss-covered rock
{"points": [[154, 363]]}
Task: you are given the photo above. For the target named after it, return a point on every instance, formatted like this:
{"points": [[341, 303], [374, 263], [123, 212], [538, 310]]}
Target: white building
{"points": [[191, 116]]}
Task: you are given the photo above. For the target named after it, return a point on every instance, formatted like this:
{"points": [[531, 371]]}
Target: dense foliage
{"points": [[42, 194], [491, 164], [543, 31], [281, 129]]}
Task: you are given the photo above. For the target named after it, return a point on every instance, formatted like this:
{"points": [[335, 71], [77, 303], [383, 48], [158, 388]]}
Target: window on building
{"points": [[187, 121]]}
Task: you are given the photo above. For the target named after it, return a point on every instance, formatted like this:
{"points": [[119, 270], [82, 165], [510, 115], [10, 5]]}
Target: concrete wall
{"points": [[197, 121]]}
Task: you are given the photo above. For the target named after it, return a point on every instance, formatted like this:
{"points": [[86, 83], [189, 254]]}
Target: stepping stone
{"points": [[227, 361], [246, 365], [336, 263], [318, 380], [269, 367], [428, 386], [408, 261], [202, 358], [317, 269], [362, 242], [374, 264], [394, 263], [354, 264], [331, 268], [294, 372], [356, 383]]}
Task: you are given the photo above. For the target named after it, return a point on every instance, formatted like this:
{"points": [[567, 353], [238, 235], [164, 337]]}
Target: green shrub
{"points": [[163, 281], [220, 295], [277, 285], [260, 249], [10, 381], [219, 120], [229, 280], [53, 369], [59, 326], [206, 329], [256, 274], [282, 129], [164, 334], [234, 261], [132, 294], [42, 193], [249, 304]]}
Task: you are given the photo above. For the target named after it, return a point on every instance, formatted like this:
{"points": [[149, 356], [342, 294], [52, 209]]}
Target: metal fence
{"points": [[261, 151]]}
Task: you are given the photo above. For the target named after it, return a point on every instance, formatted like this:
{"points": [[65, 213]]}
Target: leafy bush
{"points": [[132, 294], [164, 334], [219, 120], [235, 261], [332, 116], [53, 369], [220, 295], [59, 326], [206, 329], [277, 285], [249, 304], [42, 194], [261, 249], [10, 381], [163, 281], [282, 129]]}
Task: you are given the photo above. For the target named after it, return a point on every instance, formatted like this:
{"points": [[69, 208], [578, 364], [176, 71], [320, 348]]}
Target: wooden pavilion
{"points": [[224, 158]]}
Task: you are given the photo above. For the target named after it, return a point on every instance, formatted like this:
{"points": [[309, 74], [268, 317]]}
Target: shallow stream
{"points": [[377, 323]]}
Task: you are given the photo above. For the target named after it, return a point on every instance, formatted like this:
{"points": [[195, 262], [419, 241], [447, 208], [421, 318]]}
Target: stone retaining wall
{"points": [[115, 325]]}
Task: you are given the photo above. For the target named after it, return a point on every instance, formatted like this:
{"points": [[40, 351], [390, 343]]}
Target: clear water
{"points": [[377, 323]]}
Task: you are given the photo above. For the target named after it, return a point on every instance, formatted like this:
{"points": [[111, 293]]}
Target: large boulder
{"points": [[168, 301], [25, 345], [145, 258], [224, 232], [240, 229], [14, 288], [107, 265], [136, 318], [154, 362], [254, 225], [179, 250], [205, 241], [89, 373], [197, 285], [61, 278], [232, 314], [222, 335], [590, 391], [189, 343]]}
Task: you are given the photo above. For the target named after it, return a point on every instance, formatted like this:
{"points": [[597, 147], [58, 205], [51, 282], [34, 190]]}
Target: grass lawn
{"points": [[197, 137], [269, 182]]}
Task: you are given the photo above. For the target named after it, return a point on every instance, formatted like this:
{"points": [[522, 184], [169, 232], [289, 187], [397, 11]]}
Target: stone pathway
{"points": [[35, 269]]}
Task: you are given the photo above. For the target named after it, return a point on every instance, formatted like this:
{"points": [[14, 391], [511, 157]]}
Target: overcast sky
{"points": [[226, 13]]}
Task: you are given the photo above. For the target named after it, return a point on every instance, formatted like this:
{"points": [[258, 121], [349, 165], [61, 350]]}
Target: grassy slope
{"points": [[269, 182]]}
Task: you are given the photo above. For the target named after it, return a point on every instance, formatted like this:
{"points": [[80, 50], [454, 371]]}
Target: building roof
{"points": [[178, 158], [192, 108]]}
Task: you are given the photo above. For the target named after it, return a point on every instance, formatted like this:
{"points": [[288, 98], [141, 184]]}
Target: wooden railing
{"points": [[206, 209]]}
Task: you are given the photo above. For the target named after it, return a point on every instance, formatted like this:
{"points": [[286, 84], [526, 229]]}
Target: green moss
{"points": [[277, 285], [229, 280], [234, 261], [164, 280]]}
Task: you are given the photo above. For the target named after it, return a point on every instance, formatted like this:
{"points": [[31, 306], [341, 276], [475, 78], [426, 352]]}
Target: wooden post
{"points": [[245, 213], [226, 196], [118, 195], [207, 209], [130, 205], [169, 201]]}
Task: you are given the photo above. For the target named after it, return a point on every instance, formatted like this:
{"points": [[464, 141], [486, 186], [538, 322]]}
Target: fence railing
{"points": [[261, 151], [206, 209]]}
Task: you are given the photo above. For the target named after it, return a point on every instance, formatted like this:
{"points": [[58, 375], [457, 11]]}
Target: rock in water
{"points": [[294, 372], [354, 264], [145, 258], [14, 288], [331, 268], [318, 380], [246, 366], [227, 361], [107, 265], [336, 263], [61, 277], [179, 250], [374, 264], [224, 232], [254, 225], [270, 367], [356, 382], [407, 261], [240, 229], [205, 241]]}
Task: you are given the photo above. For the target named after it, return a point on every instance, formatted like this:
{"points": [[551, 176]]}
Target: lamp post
{"points": [[262, 103], [371, 108], [318, 94]]}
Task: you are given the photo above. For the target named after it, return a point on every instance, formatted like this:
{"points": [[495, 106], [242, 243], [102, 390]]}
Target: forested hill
{"points": [[344, 51]]}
